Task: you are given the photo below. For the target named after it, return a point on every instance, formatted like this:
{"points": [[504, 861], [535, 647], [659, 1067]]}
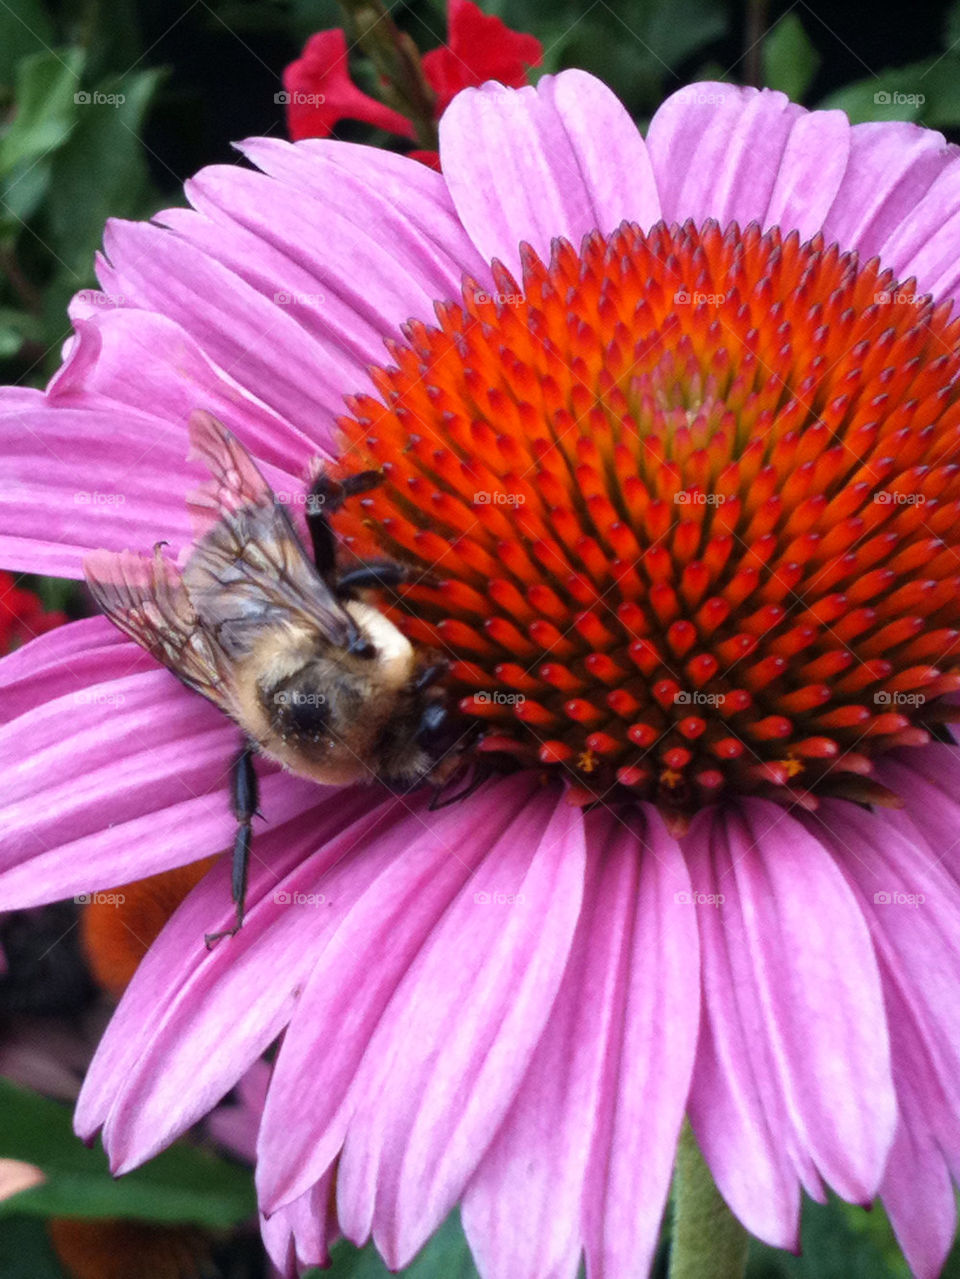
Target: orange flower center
{"points": [[682, 511]]}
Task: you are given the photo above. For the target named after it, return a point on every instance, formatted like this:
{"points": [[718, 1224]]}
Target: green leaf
{"points": [[25, 28], [445, 1256], [46, 87], [881, 97], [839, 1241], [789, 59], [101, 172], [678, 29], [17, 327], [183, 1184], [26, 1252]]}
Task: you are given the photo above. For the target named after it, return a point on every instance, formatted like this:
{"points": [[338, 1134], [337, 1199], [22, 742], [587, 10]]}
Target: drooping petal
{"points": [[917, 1190], [69, 659], [532, 164], [451, 1049], [734, 154], [192, 1020], [296, 1236], [91, 800], [143, 360], [355, 977], [913, 907], [586, 1152], [806, 1077], [65, 494]]}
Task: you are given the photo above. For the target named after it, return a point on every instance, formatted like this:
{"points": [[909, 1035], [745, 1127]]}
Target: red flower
{"points": [[480, 47], [22, 615]]}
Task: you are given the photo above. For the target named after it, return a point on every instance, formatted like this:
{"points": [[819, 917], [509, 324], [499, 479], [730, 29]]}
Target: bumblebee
{"points": [[318, 679]]}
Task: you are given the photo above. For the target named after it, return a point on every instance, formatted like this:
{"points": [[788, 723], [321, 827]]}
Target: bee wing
{"points": [[249, 567], [144, 596]]}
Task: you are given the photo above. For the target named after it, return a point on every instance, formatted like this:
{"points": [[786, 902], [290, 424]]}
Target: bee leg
{"points": [[383, 574], [480, 776], [324, 499], [245, 800]]}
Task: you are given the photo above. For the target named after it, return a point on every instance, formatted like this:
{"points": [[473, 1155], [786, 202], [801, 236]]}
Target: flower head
{"points": [[512, 1002]]}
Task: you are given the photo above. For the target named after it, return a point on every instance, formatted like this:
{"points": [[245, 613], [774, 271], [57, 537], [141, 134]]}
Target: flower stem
{"points": [[707, 1240], [397, 62]]}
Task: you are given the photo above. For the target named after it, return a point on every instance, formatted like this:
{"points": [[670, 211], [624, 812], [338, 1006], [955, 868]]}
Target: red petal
{"points": [[479, 47], [321, 92]]}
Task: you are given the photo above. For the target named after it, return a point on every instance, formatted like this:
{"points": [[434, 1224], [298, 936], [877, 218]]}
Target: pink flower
{"points": [[691, 495]]}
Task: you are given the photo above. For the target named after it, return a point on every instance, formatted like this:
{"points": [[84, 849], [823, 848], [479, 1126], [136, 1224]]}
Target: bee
{"points": [[318, 679]]}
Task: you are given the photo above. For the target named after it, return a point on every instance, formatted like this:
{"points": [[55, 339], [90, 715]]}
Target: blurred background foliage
{"points": [[105, 109]]}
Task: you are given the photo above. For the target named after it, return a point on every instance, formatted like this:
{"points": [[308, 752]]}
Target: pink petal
{"points": [[448, 1055], [421, 871], [146, 361], [719, 151], [91, 801], [890, 169], [791, 929], [241, 328], [917, 1191], [64, 494], [736, 1106], [924, 244], [403, 202], [588, 1145], [913, 907], [64, 661], [563, 159], [193, 1021], [296, 1235]]}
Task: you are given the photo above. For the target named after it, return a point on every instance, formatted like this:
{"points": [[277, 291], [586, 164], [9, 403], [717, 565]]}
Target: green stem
{"points": [[397, 63], [707, 1241]]}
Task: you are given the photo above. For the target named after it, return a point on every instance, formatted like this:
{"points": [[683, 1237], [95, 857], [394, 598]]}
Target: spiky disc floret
{"points": [[686, 507]]}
